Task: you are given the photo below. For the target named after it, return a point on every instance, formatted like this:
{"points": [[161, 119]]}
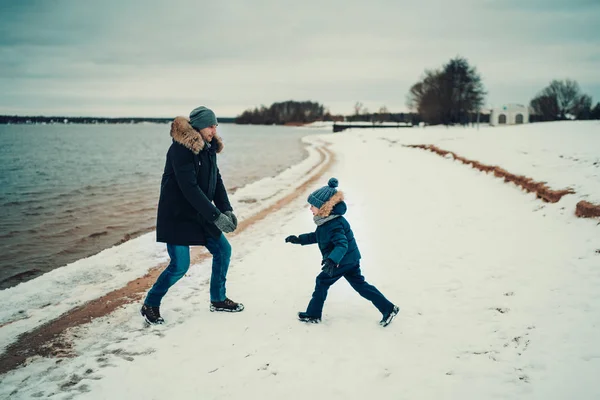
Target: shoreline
{"points": [[36, 302], [47, 339]]}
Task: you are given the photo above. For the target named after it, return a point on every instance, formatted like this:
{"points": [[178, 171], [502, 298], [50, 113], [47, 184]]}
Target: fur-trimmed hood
{"points": [[335, 205], [183, 133]]}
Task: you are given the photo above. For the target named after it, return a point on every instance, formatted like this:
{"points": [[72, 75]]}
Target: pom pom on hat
{"points": [[320, 196]]}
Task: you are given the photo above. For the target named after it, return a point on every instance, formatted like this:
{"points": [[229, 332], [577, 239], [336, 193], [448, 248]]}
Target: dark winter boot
{"points": [[152, 315], [304, 317], [226, 305], [387, 318]]}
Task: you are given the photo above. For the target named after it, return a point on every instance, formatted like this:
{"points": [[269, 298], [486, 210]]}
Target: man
{"points": [[191, 183]]}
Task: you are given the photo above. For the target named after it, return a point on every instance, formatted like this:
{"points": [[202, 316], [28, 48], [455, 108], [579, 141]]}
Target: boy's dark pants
{"points": [[358, 283]]}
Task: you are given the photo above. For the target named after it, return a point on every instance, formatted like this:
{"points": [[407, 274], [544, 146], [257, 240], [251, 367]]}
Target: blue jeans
{"points": [[221, 252], [180, 263], [358, 283]]}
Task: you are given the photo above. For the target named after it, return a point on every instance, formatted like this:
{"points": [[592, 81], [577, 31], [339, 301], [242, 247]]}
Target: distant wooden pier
{"points": [[341, 127]]}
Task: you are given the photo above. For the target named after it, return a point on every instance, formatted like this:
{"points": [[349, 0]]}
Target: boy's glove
{"points": [[233, 218], [292, 239], [224, 223], [329, 266]]}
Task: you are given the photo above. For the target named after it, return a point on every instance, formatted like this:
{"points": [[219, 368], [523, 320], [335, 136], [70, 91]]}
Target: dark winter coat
{"points": [[191, 182], [335, 238]]}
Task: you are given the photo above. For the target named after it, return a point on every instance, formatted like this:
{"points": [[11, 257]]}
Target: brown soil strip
{"points": [[47, 340], [586, 209], [539, 188]]}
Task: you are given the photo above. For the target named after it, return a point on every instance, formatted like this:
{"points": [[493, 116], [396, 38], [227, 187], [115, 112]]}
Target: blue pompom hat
{"points": [[322, 195]]}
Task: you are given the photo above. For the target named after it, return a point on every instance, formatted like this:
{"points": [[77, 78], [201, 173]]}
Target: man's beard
{"points": [[207, 138]]}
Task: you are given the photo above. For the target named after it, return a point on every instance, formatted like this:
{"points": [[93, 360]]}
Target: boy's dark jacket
{"points": [[191, 182], [335, 239]]}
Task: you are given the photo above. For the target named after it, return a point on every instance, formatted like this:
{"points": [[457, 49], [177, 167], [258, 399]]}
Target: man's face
{"points": [[208, 133]]}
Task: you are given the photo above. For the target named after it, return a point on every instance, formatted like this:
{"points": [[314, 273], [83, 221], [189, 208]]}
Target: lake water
{"points": [[69, 191]]}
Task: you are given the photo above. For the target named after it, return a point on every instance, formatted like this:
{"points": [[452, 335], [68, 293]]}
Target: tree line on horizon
{"points": [[44, 119], [303, 112], [451, 95], [286, 112]]}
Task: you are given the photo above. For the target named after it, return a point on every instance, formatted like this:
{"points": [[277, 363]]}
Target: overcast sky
{"points": [[163, 58]]}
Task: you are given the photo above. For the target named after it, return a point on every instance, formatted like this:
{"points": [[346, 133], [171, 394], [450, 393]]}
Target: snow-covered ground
{"points": [[498, 291]]}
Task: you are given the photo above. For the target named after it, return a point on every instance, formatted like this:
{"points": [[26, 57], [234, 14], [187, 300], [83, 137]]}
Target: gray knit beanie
{"points": [[202, 117], [320, 196]]}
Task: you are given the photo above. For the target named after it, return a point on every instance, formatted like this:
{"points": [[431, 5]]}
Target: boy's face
{"points": [[314, 210]]}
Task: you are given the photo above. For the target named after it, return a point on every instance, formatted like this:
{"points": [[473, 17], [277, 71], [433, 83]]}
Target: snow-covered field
{"points": [[498, 291]]}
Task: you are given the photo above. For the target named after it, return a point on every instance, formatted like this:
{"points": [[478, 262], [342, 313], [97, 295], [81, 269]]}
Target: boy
{"points": [[340, 254]]}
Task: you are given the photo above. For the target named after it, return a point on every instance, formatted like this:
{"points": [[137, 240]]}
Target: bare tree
{"points": [[582, 109], [358, 106], [448, 96], [562, 100], [546, 107], [595, 112]]}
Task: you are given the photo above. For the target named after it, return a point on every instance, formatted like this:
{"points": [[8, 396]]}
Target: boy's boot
{"points": [[387, 318], [304, 317]]}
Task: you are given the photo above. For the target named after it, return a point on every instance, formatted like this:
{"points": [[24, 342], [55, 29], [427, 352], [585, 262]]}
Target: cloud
{"points": [[159, 58]]}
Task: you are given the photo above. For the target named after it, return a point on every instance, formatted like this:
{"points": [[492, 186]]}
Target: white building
{"points": [[510, 114]]}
